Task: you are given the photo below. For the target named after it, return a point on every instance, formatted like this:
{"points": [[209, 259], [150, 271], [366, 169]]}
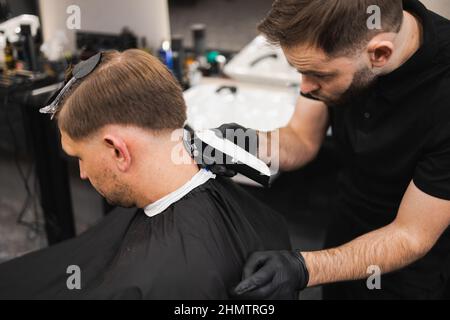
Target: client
{"points": [[193, 231]]}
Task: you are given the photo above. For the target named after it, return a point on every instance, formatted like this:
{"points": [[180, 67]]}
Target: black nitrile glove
{"points": [[245, 138], [273, 275], [240, 136]]}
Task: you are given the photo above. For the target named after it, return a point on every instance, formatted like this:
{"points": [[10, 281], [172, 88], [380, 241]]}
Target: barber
{"points": [[385, 90]]}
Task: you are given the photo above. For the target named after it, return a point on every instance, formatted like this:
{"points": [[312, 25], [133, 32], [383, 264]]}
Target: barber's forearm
{"points": [[292, 153], [390, 248]]}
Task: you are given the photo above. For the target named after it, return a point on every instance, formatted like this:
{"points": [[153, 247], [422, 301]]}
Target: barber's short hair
{"points": [[335, 26], [130, 88]]}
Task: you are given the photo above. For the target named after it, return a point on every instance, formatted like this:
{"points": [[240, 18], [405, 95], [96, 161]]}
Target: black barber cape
{"points": [[195, 249]]}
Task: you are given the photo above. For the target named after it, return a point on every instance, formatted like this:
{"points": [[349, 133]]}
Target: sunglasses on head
{"points": [[80, 71]]}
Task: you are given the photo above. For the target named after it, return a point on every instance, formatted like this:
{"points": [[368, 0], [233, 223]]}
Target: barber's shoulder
{"points": [[438, 108], [444, 44]]}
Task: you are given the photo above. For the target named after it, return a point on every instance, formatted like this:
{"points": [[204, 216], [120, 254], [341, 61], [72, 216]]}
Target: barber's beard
{"points": [[363, 82]]}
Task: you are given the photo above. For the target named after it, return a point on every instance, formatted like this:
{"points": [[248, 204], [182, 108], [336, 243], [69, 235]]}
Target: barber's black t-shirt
{"points": [[397, 133]]}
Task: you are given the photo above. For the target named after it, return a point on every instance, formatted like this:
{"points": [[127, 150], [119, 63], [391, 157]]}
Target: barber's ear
{"points": [[119, 151], [380, 52]]}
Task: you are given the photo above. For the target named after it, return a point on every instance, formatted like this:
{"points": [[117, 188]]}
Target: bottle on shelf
{"points": [[10, 61]]}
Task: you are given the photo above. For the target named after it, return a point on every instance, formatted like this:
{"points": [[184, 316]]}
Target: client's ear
{"points": [[119, 151]]}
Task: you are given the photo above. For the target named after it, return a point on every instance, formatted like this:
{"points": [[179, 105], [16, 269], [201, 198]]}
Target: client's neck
{"points": [[168, 171]]}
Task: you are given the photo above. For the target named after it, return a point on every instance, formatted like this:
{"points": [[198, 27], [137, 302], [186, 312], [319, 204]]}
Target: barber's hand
{"points": [[273, 275], [231, 132]]}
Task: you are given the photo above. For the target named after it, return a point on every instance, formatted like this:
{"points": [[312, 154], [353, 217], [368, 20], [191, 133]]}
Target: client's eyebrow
{"points": [[70, 155], [65, 150]]}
